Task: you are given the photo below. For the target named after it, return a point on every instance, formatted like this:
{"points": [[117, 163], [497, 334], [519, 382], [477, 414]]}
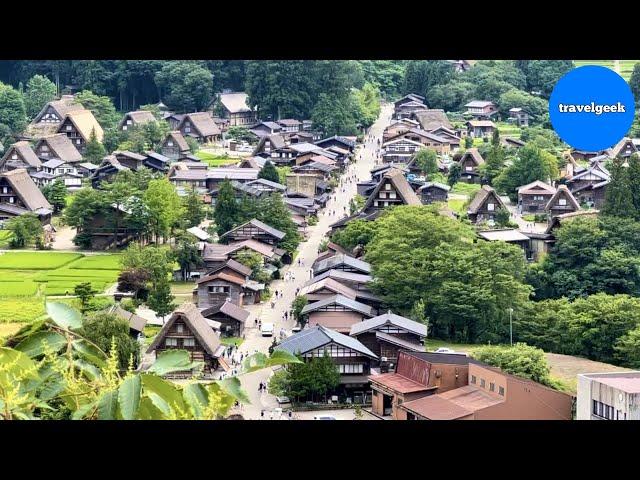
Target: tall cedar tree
{"points": [[94, 151], [227, 211], [194, 210], [56, 194], [634, 180], [160, 299], [269, 172], [619, 195], [634, 82]]}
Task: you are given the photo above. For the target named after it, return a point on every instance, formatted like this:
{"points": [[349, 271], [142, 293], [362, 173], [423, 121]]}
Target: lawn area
{"points": [[182, 287], [231, 341], [36, 260], [456, 205], [216, 160], [468, 189]]}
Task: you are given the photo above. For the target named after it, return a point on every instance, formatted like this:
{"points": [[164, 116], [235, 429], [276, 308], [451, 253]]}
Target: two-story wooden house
{"points": [[519, 117], [351, 358], [264, 129], [56, 169], [51, 115], [290, 125], [341, 261], [388, 334], [79, 126], [393, 189], [236, 109], [432, 192], [469, 163], [175, 146], [534, 197], [482, 110], [199, 125], [480, 128], [232, 318], [561, 202], [253, 229], [336, 312], [19, 195], [485, 205], [187, 329], [57, 146], [589, 186], [134, 119], [20, 155]]}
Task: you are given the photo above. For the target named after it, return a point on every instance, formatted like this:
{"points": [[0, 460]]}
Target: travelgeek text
{"points": [[592, 108]]}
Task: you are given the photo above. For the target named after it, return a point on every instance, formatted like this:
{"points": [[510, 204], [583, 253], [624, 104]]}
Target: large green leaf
{"points": [[149, 411], [108, 405], [34, 345], [129, 397], [167, 391], [64, 316], [89, 352], [225, 400], [232, 387], [196, 397], [90, 371], [16, 367], [172, 361], [52, 387], [81, 412], [259, 360]]}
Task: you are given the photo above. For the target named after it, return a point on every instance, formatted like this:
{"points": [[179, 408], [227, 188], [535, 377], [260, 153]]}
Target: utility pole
{"points": [[511, 326]]}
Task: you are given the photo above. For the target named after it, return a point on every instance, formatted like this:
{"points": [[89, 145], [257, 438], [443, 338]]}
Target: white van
{"points": [[267, 329]]}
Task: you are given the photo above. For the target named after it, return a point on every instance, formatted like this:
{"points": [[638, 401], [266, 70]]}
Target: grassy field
{"points": [[231, 341], [36, 260], [468, 189], [26, 277], [626, 66], [456, 205], [216, 160], [98, 262], [509, 130], [182, 287]]}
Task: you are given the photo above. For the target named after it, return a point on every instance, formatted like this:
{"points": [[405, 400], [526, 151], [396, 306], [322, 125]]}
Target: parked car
{"points": [[266, 330], [283, 400], [450, 351], [296, 329], [324, 417]]}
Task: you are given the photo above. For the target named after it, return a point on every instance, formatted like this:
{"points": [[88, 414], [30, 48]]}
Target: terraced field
{"points": [[626, 66], [26, 278]]}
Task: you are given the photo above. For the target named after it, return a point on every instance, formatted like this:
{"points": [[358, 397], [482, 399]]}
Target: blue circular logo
{"points": [[591, 108]]}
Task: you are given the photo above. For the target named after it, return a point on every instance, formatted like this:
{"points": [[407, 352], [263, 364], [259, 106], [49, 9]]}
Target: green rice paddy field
{"points": [[626, 66], [26, 278]]}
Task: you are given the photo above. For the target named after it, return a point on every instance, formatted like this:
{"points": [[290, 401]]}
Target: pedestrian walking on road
{"points": [[273, 304], [261, 414]]}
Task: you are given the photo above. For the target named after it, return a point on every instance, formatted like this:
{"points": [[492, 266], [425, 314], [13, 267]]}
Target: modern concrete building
{"points": [[608, 396]]}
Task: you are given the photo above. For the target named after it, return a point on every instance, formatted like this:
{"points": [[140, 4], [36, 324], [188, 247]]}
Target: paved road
{"points": [[308, 251]]}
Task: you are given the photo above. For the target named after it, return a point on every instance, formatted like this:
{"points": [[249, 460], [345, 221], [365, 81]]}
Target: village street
{"points": [[365, 157]]}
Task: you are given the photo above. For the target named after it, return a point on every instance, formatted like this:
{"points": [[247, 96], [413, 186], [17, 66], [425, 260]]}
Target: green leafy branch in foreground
{"points": [[48, 370]]}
